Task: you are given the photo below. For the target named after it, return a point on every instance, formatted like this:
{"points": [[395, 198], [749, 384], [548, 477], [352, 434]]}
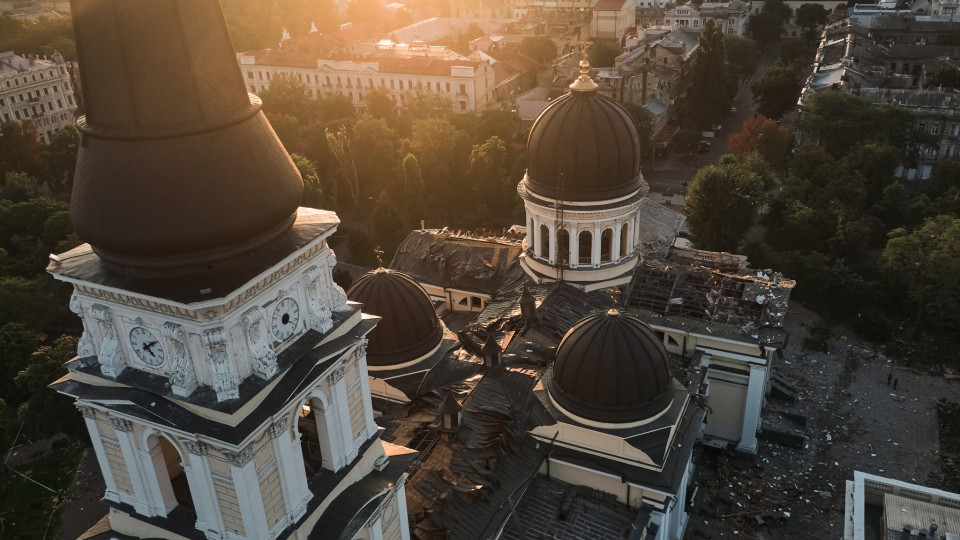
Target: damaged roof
{"points": [[457, 260]]}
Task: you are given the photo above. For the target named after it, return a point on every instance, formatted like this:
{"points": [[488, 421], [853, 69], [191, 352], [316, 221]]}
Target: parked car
{"points": [[703, 148]]}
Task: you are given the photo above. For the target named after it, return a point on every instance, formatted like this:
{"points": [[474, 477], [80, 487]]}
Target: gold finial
{"points": [[584, 83], [584, 47], [379, 253], [614, 293]]}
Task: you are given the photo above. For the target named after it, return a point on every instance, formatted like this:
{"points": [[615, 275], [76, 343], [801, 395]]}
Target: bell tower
{"points": [[222, 374]]}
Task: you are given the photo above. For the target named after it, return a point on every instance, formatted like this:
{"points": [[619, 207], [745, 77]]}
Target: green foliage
{"points": [[60, 159], [926, 263], [43, 37], [361, 248], [742, 53], [313, 192], [603, 54], [714, 82], [19, 187], [759, 254], [288, 95], [342, 149], [541, 49], [809, 17], [46, 412], [388, 228], [287, 128], [376, 138], [17, 343], [19, 148], [946, 77], [777, 90], [380, 105], [764, 136], [643, 121], [795, 52], [729, 186]]}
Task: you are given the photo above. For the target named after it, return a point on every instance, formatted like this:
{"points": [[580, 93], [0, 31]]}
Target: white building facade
{"points": [[37, 91]]}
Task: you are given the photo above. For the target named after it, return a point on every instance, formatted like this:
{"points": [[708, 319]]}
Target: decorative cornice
{"points": [[87, 411], [336, 375], [278, 428], [121, 424], [195, 448], [241, 458]]}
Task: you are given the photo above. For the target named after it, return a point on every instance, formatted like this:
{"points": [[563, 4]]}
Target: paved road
{"points": [[667, 175]]}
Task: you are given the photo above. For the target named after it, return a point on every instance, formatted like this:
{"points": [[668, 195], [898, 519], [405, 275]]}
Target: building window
{"points": [[563, 247], [585, 247], [401, 84], [935, 128], [544, 242], [606, 246], [448, 88], [463, 89], [249, 74]]}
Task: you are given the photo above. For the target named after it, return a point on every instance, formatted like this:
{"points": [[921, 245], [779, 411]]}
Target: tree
{"points": [[45, 413], [946, 77], [376, 139], [342, 150], [741, 52], [643, 121], [713, 83], [809, 17], [388, 229], [287, 129], [313, 194], [17, 343], [488, 167], [60, 159], [777, 90], [541, 49], [926, 262], [413, 189], [722, 203], [19, 148], [763, 135], [795, 51], [379, 104], [603, 54], [288, 95]]}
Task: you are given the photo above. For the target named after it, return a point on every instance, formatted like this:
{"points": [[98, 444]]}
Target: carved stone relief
{"points": [[111, 358], [121, 424], [196, 448], [225, 380], [278, 428], [336, 375], [241, 458], [85, 348], [320, 316], [337, 297], [183, 376], [264, 359]]}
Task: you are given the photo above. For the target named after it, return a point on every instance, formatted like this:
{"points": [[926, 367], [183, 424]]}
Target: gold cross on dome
{"points": [[379, 253], [584, 46], [614, 293]]}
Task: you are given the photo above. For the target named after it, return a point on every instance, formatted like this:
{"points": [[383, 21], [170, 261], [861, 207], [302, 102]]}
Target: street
{"points": [[666, 175]]}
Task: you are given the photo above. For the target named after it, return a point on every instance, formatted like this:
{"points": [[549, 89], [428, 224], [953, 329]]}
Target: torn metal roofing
{"points": [[457, 260]]}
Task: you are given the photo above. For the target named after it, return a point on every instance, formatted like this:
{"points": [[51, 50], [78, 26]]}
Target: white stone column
{"points": [[595, 242], [751, 411], [149, 500], [90, 419], [536, 239], [372, 427], [200, 479], [554, 248], [574, 245], [341, 414], [293, 480], [402, 507], [376, 525], [167, 499], [243, 469], [615, 247]]}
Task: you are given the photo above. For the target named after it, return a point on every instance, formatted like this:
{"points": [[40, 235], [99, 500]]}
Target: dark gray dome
{"points": [[583, 147], [611, 367], [409, 327]]}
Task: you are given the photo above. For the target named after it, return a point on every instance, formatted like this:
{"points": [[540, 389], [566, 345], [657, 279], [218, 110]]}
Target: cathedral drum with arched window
{"points": [[582, 190]]}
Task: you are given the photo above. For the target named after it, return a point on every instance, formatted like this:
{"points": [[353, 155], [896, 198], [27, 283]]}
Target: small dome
{"points": [[583, 147], [409, 329], [611, 368]]}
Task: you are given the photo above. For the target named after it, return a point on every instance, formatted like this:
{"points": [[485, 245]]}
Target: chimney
{"points": [[528, 307]]}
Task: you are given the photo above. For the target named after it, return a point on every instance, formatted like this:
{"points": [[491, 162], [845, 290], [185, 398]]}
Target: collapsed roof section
{"points": [[463, 260]]}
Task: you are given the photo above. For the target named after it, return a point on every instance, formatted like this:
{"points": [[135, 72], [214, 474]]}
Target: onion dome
{"points": [[178, 168], [584, 147], [611, 368], [409, 329]]}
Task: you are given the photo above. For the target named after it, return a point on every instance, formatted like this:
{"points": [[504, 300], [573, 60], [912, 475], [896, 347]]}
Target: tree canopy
{"points": [[777, 90], [713, 83], [722, 203]]}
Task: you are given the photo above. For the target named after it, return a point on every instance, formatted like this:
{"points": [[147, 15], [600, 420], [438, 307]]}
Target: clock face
{"points": [[146, 346], [285, 318]]}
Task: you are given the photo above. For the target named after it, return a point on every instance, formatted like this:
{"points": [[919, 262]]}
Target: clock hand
{"points": [[149, 347]]}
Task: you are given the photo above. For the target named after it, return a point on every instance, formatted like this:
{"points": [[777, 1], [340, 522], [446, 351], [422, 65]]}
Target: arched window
{"points": [[585, 247], [606, 246], [170, 474], [624, 240], [544, 242], [563, 247]]}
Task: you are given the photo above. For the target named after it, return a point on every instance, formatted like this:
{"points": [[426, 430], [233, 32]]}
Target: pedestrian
{"points": [[895, 381], [889, 378]]}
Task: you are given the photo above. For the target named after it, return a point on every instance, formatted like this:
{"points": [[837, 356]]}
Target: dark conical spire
{"points": [[178, 169]]}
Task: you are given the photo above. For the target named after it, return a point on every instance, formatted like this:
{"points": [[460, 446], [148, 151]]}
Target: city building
{"points": [[879, 508], [731, 17], [38, 91], [612, 19], [222, 375], [396, 68]]}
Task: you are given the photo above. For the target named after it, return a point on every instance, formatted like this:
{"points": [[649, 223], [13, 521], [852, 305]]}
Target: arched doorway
{"points": [[171, 475], [312, 428], [563, 247], [585, 248], [606, 246]]}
